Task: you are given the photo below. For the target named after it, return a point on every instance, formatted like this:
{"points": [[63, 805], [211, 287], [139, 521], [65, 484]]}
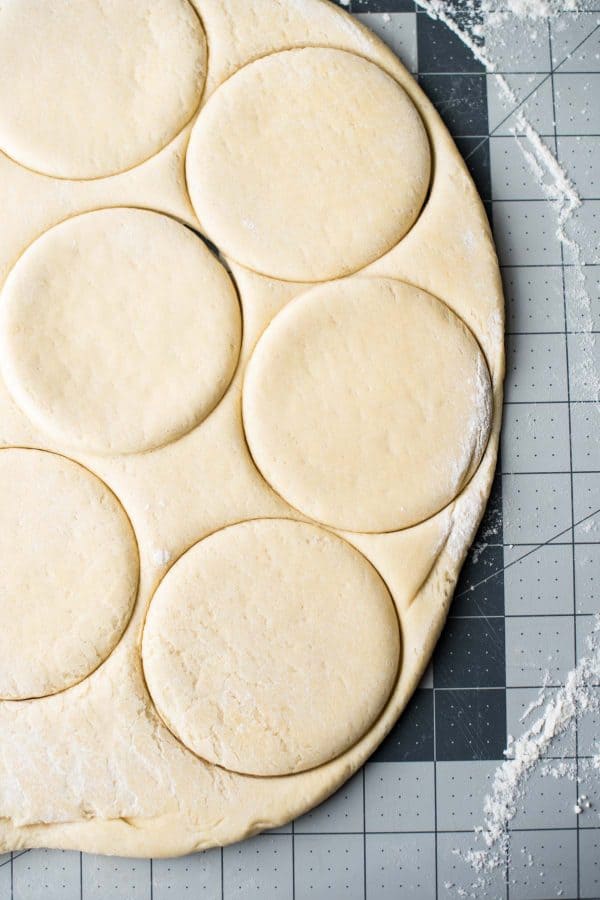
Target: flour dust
{"points": [[485, 28]]}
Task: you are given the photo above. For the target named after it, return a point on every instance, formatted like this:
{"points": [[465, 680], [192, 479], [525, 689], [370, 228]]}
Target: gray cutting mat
{"points": [[528, 593]]}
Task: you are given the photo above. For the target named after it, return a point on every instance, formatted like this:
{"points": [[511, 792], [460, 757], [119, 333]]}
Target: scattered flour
{"points": [[477, 551], [535, 704], [574, 700], [161, 557], [496, 13], [582, 804], [563, 768], [479, 26]]}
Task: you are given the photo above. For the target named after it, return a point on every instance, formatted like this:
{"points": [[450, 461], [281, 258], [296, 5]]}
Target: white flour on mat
{"points": [[561, 714], [496, 13], [571, 702], [480, 28]]}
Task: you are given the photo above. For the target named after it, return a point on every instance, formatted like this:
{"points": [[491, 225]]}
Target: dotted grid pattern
{"points": [[529, 589]]}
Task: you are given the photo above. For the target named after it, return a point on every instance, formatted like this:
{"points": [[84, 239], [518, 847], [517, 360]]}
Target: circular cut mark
{"points": [[271, 647], [95, 87], [308, 164], [68, 573], [367, 404], [119, 331]]}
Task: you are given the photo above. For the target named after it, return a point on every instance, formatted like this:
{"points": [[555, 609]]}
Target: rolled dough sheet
{"points": [[232, 543]]}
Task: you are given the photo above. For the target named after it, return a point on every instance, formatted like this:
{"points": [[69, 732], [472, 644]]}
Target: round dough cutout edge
{"points": [[255, 643], [120, 331], [115, 81], [69, 571], [367, 404], [308, 164]]}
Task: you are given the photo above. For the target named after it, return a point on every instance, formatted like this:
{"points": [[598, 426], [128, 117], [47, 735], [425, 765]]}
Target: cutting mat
{"points": [[528, 593]]}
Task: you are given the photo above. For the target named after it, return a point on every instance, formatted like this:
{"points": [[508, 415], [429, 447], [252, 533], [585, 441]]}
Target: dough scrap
{"points": [[259, 645], [367, 404], [95, 87], [319, 193], [119, 331], [68, 573]]}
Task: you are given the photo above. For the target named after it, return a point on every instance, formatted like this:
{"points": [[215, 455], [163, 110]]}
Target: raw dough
{"points": [[259, 645], [68, 573], [119, 331], [94, 87], [367, 404], [319, 193], [94, 767]]}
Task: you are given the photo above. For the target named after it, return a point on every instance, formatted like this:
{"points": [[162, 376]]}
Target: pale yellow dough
{"points": [[347, 394], [259, 646], [68, 573], [93, 87], [119, 331], [308, 164], [252, 476]]}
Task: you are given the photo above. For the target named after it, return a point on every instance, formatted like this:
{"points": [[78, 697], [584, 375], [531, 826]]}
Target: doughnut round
{"points": [[68, 573], [259, 644], [308, 164], [119, 331], [367, 404], [94, 87]]}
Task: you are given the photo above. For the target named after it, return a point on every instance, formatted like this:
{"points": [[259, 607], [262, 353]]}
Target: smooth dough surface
{"points": [[119, 331], [319, 193], [260, 643], [94, 87], [367, 404], [68, 573]]}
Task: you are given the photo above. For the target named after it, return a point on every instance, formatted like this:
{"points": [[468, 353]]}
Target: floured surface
{"points": [[548, 783], [139, 791]]}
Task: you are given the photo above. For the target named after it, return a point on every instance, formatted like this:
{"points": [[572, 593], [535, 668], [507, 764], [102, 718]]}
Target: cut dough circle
{"points": [[308, 164], [95, 87], [119, 331], [367, 404], [68, 573], [271, 647]]}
